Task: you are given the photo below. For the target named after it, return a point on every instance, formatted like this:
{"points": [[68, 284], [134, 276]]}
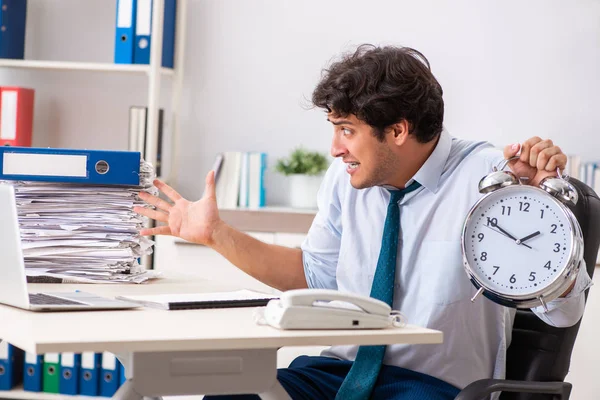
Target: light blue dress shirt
{"points": [[431, 287]]}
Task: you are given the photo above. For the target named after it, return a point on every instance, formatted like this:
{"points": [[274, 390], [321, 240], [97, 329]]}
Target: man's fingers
{"points": [[155, 201], [167, 190], [526, 148], [511, 150], [159, 230], [209, 188], [154, 214], [538, 148]]}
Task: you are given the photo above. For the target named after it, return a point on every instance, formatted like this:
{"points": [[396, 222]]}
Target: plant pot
{"points": [[303, 190]]}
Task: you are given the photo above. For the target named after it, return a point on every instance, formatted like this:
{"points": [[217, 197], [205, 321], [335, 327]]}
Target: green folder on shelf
{"points": [[51, 377]]}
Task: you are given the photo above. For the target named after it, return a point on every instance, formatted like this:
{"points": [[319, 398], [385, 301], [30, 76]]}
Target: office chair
{"points": [[539, 355]]}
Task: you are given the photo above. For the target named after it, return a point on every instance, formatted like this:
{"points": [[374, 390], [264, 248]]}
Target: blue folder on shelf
{"points": [[125, 31], [143, 32], [32, 372], [70, 364], [13, 15], [97, 167], [89, 376], [11, 365], [109, 383]]}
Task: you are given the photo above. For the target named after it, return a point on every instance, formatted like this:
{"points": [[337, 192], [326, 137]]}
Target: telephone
{"points": [[328, 309]]}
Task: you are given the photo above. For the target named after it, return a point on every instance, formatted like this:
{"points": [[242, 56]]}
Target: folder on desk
{"points": [[11, 365], [51, 378], [109, 383], [239, 298], [125, 31], [100, 167], [89, 376], [16, 116], [143, 33], [70, 364], [13, 15], [32, 372]]}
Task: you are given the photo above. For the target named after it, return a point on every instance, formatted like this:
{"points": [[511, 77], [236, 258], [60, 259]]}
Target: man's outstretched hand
{"points": [[192, 221]]}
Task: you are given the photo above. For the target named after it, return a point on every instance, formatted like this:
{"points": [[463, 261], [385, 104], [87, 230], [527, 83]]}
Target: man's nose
{"points": [[337, 147]]}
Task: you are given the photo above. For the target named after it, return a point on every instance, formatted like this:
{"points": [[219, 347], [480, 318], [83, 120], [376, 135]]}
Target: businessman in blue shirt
{"points": [[391, 209]]}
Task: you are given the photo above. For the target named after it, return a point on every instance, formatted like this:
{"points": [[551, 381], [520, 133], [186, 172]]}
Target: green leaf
{"points": [[302, 161]]}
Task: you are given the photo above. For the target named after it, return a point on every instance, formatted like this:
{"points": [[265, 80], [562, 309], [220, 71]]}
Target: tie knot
{"points": [[397, 195]]}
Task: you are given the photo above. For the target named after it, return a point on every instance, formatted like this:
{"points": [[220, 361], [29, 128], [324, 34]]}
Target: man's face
{"points": [[368, 161]]}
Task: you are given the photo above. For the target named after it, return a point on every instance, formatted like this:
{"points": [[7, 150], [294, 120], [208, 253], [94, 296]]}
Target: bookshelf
{"points": [[153, 71], [19, 393]]}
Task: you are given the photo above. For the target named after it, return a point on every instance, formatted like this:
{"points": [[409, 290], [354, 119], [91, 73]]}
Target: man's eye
{"points": [[346, 131]]}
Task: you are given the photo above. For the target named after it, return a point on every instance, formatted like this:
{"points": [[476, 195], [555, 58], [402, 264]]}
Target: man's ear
{"points": [[400, 131]]}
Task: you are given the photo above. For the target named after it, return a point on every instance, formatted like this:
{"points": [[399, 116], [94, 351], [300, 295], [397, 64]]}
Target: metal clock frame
{"points": [[551, 291]]}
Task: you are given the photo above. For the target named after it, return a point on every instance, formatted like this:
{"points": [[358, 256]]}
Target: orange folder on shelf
{"points": [[16, 116]]}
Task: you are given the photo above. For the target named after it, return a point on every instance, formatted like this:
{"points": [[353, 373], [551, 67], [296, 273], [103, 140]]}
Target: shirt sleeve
{"points": [[320, 250], [566, 311]]}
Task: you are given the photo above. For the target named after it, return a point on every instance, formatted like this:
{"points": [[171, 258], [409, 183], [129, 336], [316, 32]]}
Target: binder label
{"points": [[109, 361], [4, 350], [30, 358], [125, 12], [8, 116], [88, 360], [51, 358], [45, 164], [68, 359], [143, 21]]}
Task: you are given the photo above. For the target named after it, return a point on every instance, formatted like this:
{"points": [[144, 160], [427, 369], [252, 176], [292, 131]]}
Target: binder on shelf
{"points": [[143, 33], [101, 167], [125, 31], [16, 116], [138, 122], [32, 372], [13, 15], [11, 365], [109, 382], [51, 375], [89, 376], [70, 364]]}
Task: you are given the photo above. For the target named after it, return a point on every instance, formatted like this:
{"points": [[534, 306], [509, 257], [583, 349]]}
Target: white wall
{"points": [[510, 69]]}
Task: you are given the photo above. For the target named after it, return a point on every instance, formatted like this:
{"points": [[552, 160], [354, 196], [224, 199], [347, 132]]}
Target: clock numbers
{"points": [[506, 209], [513, 279], [483, 256], [556, 247], [492, 221], [532, 276], [523, 206], [554, 226], [496, 269], [547, 266], [480, 236], [542, 212]]}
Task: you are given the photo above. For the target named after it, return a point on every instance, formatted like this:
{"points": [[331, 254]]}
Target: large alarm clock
{"points": [[522, 246]]}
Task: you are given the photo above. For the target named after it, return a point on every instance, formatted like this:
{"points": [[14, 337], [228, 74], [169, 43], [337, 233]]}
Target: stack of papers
{"points": [[82, 233]]}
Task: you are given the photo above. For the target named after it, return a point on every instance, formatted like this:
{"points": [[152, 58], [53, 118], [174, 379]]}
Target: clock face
{"points": [[517, 240]]}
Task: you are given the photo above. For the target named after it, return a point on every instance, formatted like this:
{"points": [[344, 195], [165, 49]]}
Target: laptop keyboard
{"points": [[41, 299]]}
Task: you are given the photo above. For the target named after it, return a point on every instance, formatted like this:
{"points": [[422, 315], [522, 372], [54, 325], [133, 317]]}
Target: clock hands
{"points": [[505, 233], [534, 234]]}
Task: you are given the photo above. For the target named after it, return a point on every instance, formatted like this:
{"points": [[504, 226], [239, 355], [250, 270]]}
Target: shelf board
{"points": [[19, 393], [81, 66]]}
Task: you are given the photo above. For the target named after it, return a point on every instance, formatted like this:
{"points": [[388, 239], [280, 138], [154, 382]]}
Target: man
{"points": [[391, 208]]}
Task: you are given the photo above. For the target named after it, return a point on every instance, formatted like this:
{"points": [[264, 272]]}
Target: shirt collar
{"points": [[429, 174]]}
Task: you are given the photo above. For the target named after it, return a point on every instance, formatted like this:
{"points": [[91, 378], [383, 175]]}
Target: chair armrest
{"points": [[480, 389]]}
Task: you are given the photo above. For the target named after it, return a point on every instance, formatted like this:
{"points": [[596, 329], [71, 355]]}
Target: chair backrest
{"points": [[540, 352]]}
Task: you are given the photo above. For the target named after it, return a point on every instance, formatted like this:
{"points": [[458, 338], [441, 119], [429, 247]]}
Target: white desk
{"points": [[181, 352]]}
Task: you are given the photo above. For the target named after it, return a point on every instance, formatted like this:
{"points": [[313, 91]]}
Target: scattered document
{"points": [[239, 298]]}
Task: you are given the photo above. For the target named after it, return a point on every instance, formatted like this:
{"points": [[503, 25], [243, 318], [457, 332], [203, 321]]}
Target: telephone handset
{"points": [[328, 309]]}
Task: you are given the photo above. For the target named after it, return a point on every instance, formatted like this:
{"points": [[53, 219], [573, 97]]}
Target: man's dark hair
{"points": [[382, 86]]}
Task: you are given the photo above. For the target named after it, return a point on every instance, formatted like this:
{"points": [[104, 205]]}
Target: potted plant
{"points": [[304, 170]]}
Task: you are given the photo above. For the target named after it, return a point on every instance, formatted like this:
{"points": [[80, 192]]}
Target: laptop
{"points": [[13, 281]]}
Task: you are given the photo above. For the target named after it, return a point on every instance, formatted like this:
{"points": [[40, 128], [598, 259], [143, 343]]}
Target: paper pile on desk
{"points": [[82, 233]]}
